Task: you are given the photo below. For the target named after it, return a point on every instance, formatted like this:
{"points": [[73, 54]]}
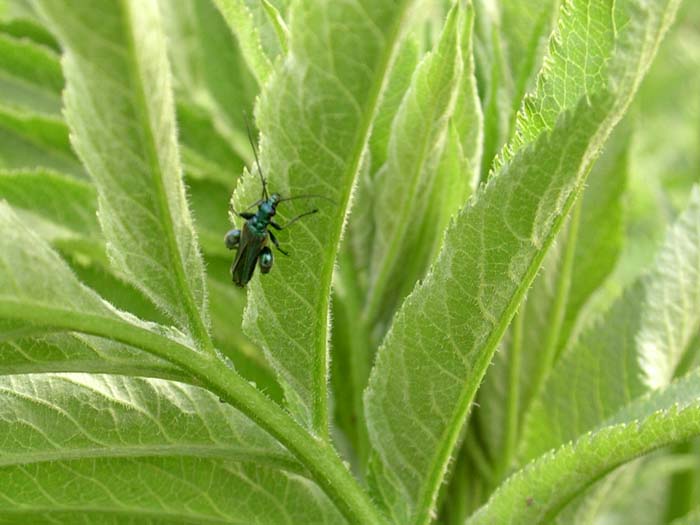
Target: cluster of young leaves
{"points": [[468, 225]]}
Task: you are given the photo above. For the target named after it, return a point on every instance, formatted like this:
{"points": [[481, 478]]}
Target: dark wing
{"points": [[247, 256]]}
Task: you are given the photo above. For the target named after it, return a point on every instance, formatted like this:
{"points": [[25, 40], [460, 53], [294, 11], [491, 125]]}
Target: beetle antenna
{"points": [[255, 153], [308, 196]]}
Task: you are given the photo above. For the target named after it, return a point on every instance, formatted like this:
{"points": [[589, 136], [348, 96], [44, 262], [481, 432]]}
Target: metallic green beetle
{"points": [[252, 239]]}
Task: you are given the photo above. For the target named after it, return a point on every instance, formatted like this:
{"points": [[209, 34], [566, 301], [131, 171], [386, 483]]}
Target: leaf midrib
{"points": [[238, 454], [320, 382], [572, 452], [126, 512], [548, 352], [615, 112], [96, 366], [390, 259], [320, 459], [65, 319], [452, 430], [150, 149]]}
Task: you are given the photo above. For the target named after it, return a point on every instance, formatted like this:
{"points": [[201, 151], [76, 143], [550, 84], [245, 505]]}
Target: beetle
{"points": [[252, 238]]}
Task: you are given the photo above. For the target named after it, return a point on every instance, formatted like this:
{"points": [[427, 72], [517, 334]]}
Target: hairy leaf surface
{"points": [[116, 71], [608, 362], [59, 417], [405, 188], [132, 447], [210, 71], [186, 490], [537, 493], [574, 268], [240, 16], [443, 338], [46, 351], [315, 116], [426, 361]]}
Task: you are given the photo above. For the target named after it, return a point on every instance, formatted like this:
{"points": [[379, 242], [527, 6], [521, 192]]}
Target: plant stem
{"points": [[556, 319], [513, 397], [359, 353], [478, 458], [319, 457]]}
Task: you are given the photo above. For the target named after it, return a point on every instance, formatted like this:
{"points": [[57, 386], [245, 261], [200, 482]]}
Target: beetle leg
{"points": [[276, 243]]}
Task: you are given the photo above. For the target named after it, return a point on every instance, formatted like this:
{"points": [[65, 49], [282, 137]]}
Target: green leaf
{"points": [[36, 285], [359, 236], [633, 493], [95, 273], [39, 293], [209, 70], [314, 143], [459, 168], [239, 16], [34, 276], [32, 141], [612, 46], [526, 26], [689, 519], [198, 490], [22, 9], [443, 338], [538, 492], [63, 205], [493, 77], [55, 352], [63, 211], [575, 267], [278, 24], [30, 77], [468, 118], [608, 361], [666, 330], [136, 447], [599, 236], [142, 205], [25, 28], [61, 417], [398, 82], [405, 187], [425, 360], [205, 153]]}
